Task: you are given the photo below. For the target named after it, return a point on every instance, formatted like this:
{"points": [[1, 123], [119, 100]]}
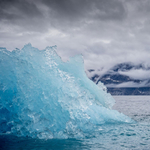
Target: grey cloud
{"points": [[61, 13], [129, 84], [99, 9], [106, 32], [137, 74], [17, 9], [21, 13]]}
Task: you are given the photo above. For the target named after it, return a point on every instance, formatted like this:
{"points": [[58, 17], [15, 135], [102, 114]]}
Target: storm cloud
{"points": [[105, 32]]}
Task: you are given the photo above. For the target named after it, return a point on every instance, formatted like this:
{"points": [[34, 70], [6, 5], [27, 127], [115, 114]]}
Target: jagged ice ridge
{"points": [[43, 97]]}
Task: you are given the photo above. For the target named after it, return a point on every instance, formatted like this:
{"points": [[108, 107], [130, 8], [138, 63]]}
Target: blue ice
{"points": [[43, 97]]}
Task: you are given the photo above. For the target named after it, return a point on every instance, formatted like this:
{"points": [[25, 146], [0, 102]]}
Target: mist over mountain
{"points": [[124, 78]]}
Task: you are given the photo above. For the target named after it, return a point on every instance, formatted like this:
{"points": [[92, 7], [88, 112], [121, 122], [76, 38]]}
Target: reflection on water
{"points": [[108, 136]]}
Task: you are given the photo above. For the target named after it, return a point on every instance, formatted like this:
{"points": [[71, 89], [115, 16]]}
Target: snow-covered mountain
{"points": [[124, 79]]}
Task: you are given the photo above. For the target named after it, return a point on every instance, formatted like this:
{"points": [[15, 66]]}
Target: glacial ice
{"points": [[43, 97]]}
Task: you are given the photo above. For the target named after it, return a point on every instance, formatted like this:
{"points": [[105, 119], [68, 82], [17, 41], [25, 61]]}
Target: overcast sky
{"points": [[105, 32]]}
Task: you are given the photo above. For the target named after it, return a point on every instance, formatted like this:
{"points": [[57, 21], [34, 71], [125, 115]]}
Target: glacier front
{"points": [[43, 97]]}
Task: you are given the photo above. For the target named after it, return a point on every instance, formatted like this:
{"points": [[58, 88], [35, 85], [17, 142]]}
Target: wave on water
{"points": [[43, 97]]}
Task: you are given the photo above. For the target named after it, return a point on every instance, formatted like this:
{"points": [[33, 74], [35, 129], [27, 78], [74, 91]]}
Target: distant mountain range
{"points": [[124, 79]]}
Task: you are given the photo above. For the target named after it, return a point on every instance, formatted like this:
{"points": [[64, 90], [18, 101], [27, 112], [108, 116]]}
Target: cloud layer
{"points": [[129, 84], [106, 32], [137, 74]]}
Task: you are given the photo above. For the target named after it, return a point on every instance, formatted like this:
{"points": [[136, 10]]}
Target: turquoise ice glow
{"points": [[42, 96]]}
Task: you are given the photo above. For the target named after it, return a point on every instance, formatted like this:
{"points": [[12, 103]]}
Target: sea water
{"points": [[111, 136]]}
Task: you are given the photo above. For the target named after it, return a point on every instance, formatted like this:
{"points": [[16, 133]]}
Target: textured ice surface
{"points": [[42, 96]]}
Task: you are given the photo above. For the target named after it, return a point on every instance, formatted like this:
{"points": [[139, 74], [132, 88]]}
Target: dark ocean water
{"points": [[109, 136]]}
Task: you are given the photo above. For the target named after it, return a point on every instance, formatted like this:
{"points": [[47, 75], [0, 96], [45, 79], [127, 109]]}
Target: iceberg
{"points": [[43, 97]]}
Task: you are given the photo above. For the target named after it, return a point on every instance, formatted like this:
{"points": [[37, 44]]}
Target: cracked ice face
{"points": [[42, 96]]}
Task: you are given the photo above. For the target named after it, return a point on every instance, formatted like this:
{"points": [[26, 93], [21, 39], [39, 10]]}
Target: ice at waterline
{"points": [[43, 97]]}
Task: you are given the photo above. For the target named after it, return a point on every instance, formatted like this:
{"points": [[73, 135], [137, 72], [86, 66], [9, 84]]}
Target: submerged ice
{"points": [[42, 96]]}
